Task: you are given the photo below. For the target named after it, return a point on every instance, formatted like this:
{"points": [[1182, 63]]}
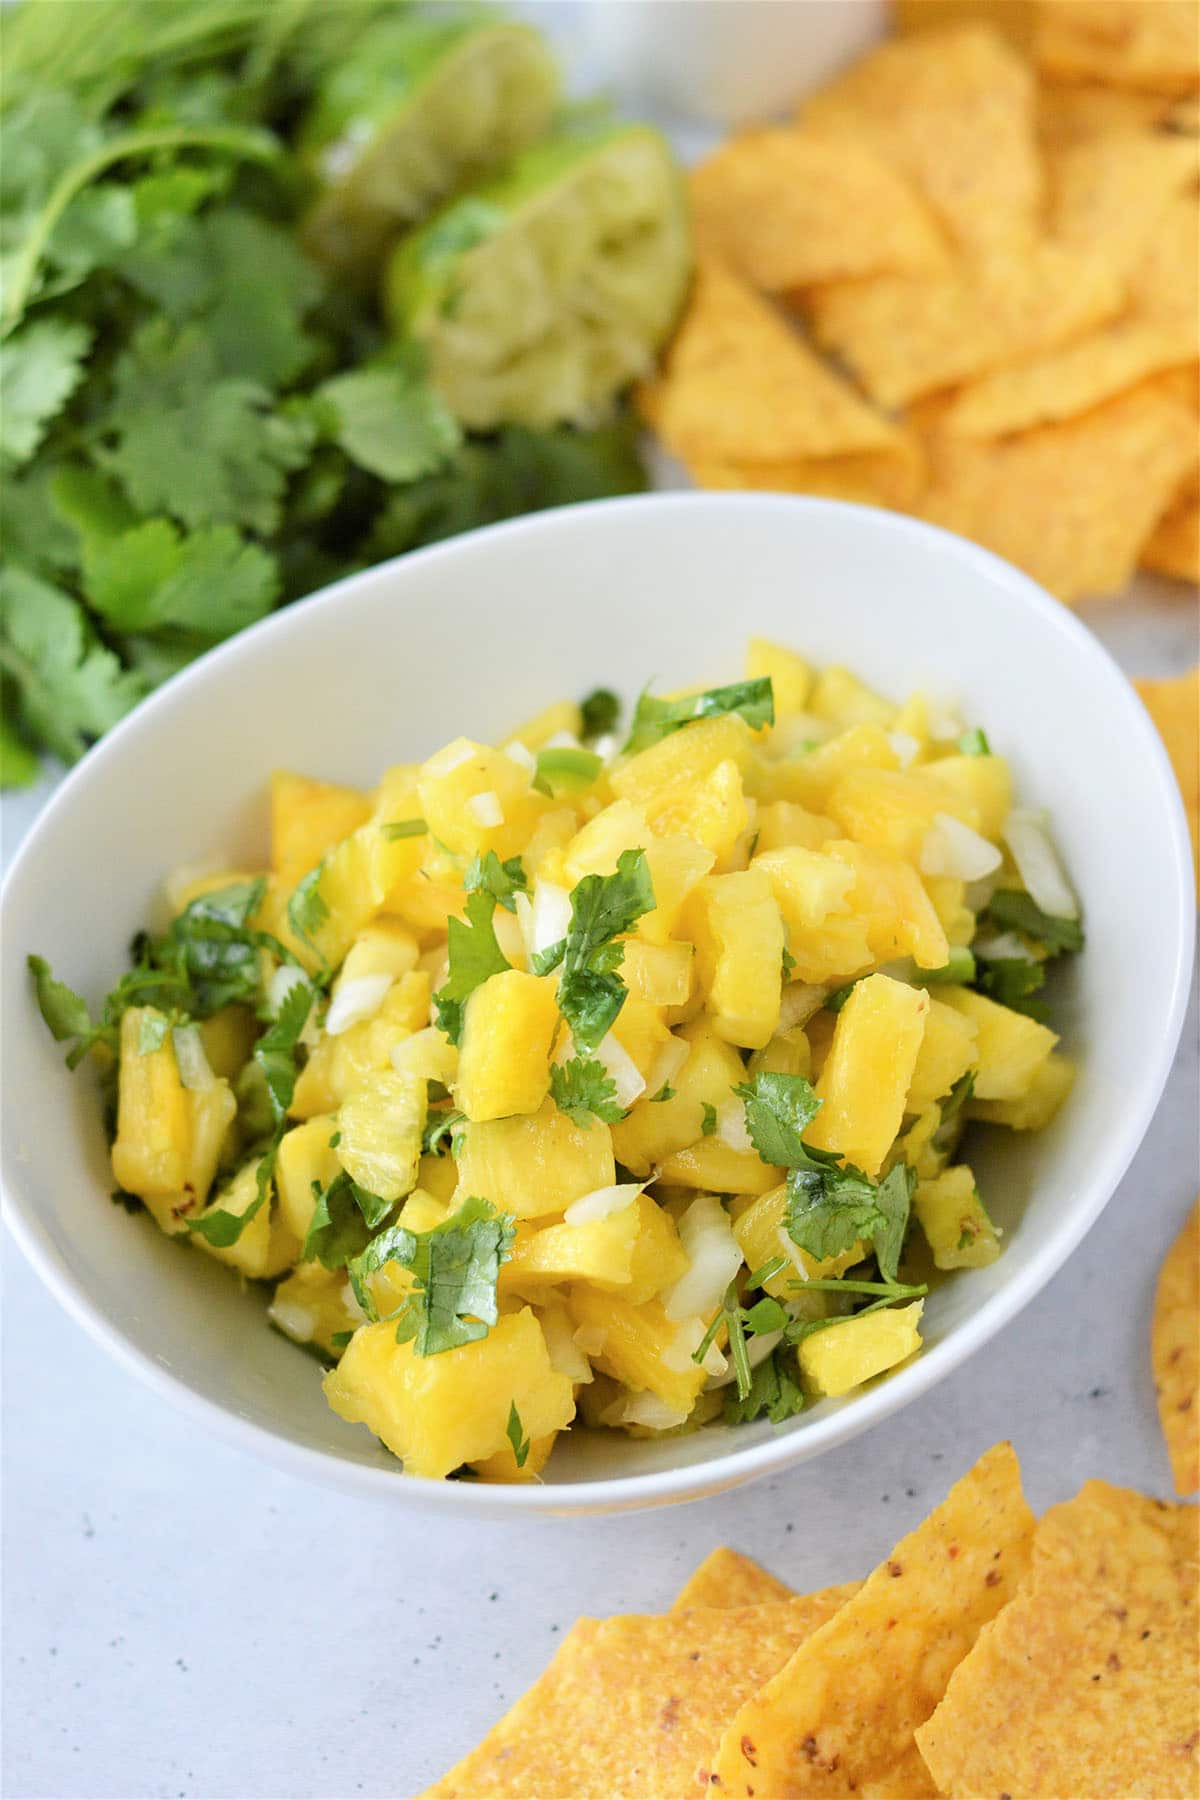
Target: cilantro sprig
{"points": [[603, 908], [654, 719], [455, 1267], [474, 954], [584, 1090]]}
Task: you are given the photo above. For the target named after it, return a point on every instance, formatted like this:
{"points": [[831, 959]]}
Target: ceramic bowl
{"points": [[471, 636]]}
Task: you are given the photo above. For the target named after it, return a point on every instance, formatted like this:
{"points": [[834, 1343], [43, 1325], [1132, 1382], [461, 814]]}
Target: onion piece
{"points": [[427, 1054], [356, 1000], [952, 848], [731, 1125], [1000, 946], [550, 917], [286, 977], [295, 1320], [667, 1064], [648, 1410], [757, 1351], [801, 999], [714, 1258], [520, 754], [562, 740], [591, 1339], [1027, 835], [621, 1069], [905, 746], [601, 1203], [486, 809], [192, 1063], [564, 1352], [679, 1354]]}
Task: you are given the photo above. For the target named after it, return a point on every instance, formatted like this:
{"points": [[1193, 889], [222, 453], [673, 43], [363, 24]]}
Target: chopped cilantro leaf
{"points": [[455, 1266], [339, 1229], [1012, 981], [835, 1001], [566, 770], [67, 687], [665, 1092], [778, 1107], [603, 908], [708, 1119], [542, 962], [829, 1208], [516, 1437], [404, 828], [41, 367], [474, 955], [773, 1393], [600, 712], [152, 1032], [307, 910], [974, 743], [1013, 910], [584, 1089], [789, 961], [339, 1339], [959, 968], [66, 1013], [654, 719], [502, 880], [389, 422], [440, 1129], [893, 1197]]}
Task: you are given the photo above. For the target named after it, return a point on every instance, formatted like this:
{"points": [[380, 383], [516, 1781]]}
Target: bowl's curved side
{"points": [[556, 602]]}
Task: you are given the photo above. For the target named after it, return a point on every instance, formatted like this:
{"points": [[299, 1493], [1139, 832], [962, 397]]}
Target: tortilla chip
{"points": [[1012, 17], [1166, 283], [1086, 1683], [1063, 383], [871, 480], [1174, 705], [840, 1716], [726, 1578], [1173, 547], [1072, 504], [1110, 196], [1070, 112], [954, 111], [631, 1707], [1127, 43], [787, 208], [742, 390], [908, 336], [1175, 1331]]}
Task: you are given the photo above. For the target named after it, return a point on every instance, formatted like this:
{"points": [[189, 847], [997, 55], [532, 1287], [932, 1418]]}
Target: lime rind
{"points": [[551, 287], [423, 108]]}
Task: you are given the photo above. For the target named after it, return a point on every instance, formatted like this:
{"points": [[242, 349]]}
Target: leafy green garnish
{"points": [[600, 711], [834, 1002], [343, 1219], [566, 770], [974, 743], [665, 1092], [778, 1107], [773, 1393], [67, 1015], [455, 1267], [1013, 910], [441, 1127], [893, 1197], [708, 1119], [584, 1089], [404, 828], [474, 954], [1013, 981], [307, 910], [502, 880], [603, 909], [67, 687], [654, 719], [389, 421], [896, 1291], [959, 968], [515, 1434]]}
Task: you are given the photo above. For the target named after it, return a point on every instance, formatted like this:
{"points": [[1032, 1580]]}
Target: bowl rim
{"points": [[728, 1467]]}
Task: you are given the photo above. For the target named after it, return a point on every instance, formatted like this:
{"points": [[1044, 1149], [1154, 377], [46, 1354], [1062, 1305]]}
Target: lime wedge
{"points": [[422, 107], [546, 291]]}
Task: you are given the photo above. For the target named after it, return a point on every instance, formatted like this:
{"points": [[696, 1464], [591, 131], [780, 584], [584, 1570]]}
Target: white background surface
{"points": [[180, 1620]]}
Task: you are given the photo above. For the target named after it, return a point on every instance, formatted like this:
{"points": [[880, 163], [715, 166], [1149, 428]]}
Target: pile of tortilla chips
{"points": [[990, 1653], [1174, 705], [965, 283]]}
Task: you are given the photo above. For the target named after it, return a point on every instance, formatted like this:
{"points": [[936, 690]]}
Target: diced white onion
{"points": [[952, 848], [731, 1125], [565, 1355], [1028, 837], [757, 1350], [427, 1054], [679, 1354], [714, 1258], [350, 1302], [648, 1410], [605, 746], [520, 754], [297, 1321], [551, 916], [562, 740], [602, 1202], [193, 1065], [356, 1000], [591, 1339], [979, 893], [509, 936], [793, 1253], [449, 759], [667, 1064], [1000, 945], [621, 1068], [800, 1001], [486, 809], [286, 977], [905, 746]]}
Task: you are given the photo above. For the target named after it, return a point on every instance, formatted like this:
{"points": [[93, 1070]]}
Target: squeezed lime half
{"points": [[546, 291], [421, 108]]}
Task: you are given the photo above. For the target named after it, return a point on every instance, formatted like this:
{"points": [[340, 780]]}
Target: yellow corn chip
{"points": [[1175, 1331], [787, 208], [908, 336], [891, 480], [1072, 504], [632, 1707], [1174, 705], [954, 111], [1071, 111], [1062, 383], [1166, 283], [1128, 43], [726, 1578], [1173, 547], [742, 390], [1013, 17], [839, 1718], [1111, 196], [1087, 1683]]}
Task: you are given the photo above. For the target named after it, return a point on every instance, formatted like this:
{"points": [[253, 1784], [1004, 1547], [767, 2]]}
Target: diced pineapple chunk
{"points": [[985, 782], [888, 896], [597, 846], [786, 1054], [791, 677], [641, 1346], [893, 809], [312, 1307], [427, 1054], [228, 1039], [807, 885], [716, 1168], [781, 823], [380, 1126], [843, 1356], [267, 1246], [810, 776], [438, 1412], [948, 896], [676, 865], [661, 974], [388, 947], [535, 1163], [305, 1155], [339, 1065], [508, 1032], [1011, 1047], [842, 697], [658, 1258], [735, 924], [599, 1252], [761, 1233], [1052, 1082], [833, 953], [681, 761], [868, 1071], [502, 1465], [476, 799], [652, 1129], [642, 1033], [153, 1141], [711, 811], [955, 1221], [307, 819], [438, 1176], [560, 716], [947, 1052]]}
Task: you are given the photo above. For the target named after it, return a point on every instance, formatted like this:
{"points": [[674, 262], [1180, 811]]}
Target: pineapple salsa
{"points": [[619, 1076]]}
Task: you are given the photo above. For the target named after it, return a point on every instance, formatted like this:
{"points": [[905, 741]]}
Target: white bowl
{"points": [[471, 636]]}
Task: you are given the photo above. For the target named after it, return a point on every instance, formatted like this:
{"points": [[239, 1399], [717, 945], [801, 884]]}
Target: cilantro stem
{"points": [[895, 1290], [256, 145], [760, 1276]]}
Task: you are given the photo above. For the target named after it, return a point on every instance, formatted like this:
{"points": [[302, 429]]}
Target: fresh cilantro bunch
{"points": [[196, 423]]}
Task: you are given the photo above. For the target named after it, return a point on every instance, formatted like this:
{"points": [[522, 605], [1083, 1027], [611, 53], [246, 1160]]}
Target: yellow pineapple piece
{"points": [[948, 897], [438, 1412], [717, 1168], [984, 782], [305, 1156], [710, 811], [551, 835], [658, 1258], [596, 847], [228, 1039], [475, 799], [153, 1141], [388, 947], [869, 1069], [653, 1129], [888, 896], [681, 761], [502, 1464], [842, 697], [534, 1163], [380, 1128], [641, 1346], [918, 1148], [642, 1034], [782, 823], [787, 1053], [427, 1054], [810, 777], [267, 1245], [760, 1231], [947, 1052], [504, 1062], [833, 953], [307, 819], [313, 1306], [955, 1220], [677, 865], [599, 1252], [1052, 1081], [808, 886], [893, 809], [337, 1066], [1011, 1048], [560, 716], [844, 1355], [438, 1176], [791, 677], [661, 974], [735, 924]]}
